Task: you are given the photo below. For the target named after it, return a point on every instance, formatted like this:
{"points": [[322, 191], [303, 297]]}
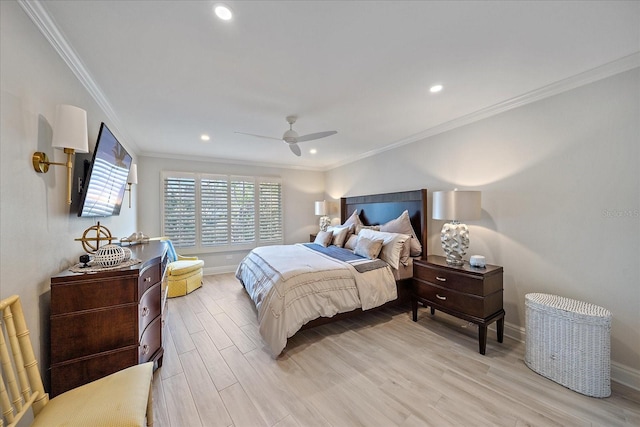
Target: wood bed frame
{"points": [[378, 209]]}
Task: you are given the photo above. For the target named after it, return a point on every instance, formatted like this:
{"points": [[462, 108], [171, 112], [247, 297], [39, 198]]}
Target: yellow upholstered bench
{"points": [[183, 276]]}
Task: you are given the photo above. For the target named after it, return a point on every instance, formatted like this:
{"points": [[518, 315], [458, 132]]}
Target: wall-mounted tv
{"points": [[104, 185]]}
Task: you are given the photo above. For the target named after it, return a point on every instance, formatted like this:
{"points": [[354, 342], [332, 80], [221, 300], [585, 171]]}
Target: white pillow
{"points": [[392, 246], [339, 235], [402, 224]]}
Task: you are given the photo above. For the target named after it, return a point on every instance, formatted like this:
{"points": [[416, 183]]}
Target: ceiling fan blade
{"points": [[317, 135], [295, 149], [259, 136]]}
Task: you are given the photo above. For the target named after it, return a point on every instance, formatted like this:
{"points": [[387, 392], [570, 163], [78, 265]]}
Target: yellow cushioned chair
{"points": [[120, 399], [184, 276]]}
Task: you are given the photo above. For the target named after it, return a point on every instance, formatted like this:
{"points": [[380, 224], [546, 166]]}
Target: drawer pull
{"points": [[145, 311], [147, 279], [145, 349], [442, 279], [441, 297]]}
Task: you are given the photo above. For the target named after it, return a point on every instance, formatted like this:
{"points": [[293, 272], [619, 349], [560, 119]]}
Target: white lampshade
{"points": [[457, 205], [70, 129], [321, 208], [133, 174]]}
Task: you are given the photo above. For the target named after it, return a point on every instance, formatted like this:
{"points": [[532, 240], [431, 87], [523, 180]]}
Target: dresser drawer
{"points": [[148, 277], [452, 280], [149, 307], [151, 340], [471, 305], [91, 293]]}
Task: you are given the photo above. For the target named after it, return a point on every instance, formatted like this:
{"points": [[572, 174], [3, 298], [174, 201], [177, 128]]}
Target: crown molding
{"points": [[609, 69], [221, 160], [39, 16]]}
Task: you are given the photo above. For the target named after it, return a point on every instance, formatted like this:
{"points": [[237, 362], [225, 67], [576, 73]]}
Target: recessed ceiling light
{"points": [[205, 137], [313, 151], [435, 88], [223, 12]]}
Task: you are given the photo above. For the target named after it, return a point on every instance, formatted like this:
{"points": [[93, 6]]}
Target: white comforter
{"points": [[292, 285]]}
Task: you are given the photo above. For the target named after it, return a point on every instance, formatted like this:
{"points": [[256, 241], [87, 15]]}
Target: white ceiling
{"points": [[168, 71]]}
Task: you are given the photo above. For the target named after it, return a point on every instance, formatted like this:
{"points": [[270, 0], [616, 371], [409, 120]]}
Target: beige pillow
{"points": [[351, 242], [402, 225], [339, 235], [393, 247], [323, 238], [353, 220], [368, 248]]}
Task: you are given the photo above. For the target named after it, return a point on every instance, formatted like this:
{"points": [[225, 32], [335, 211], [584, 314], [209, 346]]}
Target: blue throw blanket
{"points": [[346, 255]]}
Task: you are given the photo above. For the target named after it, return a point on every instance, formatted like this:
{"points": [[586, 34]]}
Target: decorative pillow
{"points": [[366, 227], [368, 248], [392, 246], [323, 238], [351, 242], [353, 220], [339, 235], [402, 225]]}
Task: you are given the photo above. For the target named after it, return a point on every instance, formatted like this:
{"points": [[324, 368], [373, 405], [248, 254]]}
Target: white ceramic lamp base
{"points": [[325, 222], [455, 242]]}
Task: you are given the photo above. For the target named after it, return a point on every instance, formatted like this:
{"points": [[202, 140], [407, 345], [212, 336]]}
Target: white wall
{"points": [[300, 190], [560, 197], [37, 231]]}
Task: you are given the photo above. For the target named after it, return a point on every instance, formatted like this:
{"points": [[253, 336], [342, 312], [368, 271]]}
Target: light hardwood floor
{"points": [[378, 369]]}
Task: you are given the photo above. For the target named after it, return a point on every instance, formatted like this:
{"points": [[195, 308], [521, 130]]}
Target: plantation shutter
{"points": [[270, 211], [243, 206], [214, 210], [179, 222]]}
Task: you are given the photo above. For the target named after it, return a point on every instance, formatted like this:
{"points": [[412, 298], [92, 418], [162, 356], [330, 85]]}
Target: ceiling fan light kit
{"points": [[292, 138]]}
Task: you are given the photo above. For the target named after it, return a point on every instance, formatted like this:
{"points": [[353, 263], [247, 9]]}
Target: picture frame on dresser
{"points": [[470, 293]]}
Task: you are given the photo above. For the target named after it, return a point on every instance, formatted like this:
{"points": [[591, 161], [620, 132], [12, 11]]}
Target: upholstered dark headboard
{"points": [[380, 208]]}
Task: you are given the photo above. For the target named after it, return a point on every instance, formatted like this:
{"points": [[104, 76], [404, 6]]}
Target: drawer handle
{"points": [[145, 311], [145, 349], [442, 279], [441, 297], [147, 279]]}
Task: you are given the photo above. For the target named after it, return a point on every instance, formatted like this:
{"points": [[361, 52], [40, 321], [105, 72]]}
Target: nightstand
{"points": [[469, 293]]}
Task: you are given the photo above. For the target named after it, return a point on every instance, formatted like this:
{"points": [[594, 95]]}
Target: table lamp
{"points": [[456, 206]]}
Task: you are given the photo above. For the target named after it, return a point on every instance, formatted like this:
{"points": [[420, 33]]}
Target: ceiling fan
{"points": [[292, 138]]}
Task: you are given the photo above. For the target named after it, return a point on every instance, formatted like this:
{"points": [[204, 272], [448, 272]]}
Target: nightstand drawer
{"points": [[471, 305], [451, 280]]}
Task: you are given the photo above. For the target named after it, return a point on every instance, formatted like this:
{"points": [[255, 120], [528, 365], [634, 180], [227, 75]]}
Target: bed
{"points": [[303, 285]]}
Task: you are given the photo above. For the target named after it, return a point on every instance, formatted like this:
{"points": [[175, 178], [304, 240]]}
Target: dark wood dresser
{"points": [[107, 321], [469, 293]]}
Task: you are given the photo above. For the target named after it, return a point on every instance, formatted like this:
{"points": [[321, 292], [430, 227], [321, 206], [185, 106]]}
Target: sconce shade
{"points": [[321, 208], [457, 205], [133, 174], [70, 129]]}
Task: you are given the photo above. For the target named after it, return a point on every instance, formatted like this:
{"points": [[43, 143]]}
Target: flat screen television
{"points": [[106, 180]]}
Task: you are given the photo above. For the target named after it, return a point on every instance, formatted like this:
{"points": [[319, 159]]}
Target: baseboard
{"points": [[621, 374], [219, 270]]}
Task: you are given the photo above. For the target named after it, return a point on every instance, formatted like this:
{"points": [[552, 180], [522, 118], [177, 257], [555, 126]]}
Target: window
{"points": [[209, 212]]}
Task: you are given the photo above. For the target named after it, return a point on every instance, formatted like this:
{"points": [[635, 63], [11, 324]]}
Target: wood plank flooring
{"points": [[378, 369]]}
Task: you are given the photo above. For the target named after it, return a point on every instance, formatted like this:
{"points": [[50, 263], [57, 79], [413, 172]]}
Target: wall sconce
{"points": [[321, 209], [455, 206], [69, 134], [132, 179]]}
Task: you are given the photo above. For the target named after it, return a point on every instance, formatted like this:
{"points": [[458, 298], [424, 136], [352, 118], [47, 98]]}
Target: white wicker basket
{"points": [[569, 342]]}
